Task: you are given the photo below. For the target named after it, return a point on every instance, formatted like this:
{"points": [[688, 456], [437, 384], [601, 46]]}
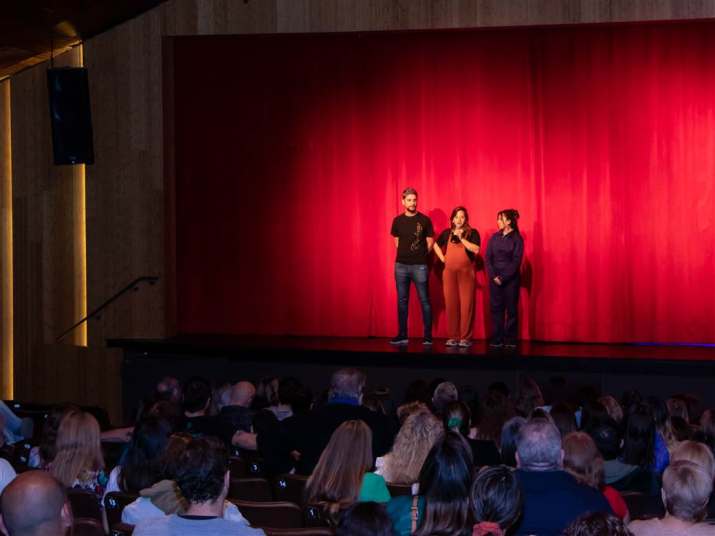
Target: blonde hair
{"points": [[582, 459], [613, 408], [79, 448], [418, 434], [336, 480], [697, 453], [686, 490]]}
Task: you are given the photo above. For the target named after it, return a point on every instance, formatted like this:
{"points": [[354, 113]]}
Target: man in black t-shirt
{"points": [[413, 235]]}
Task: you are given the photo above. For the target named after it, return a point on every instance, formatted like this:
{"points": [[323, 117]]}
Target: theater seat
{"points": [[121, 529], [290, 488], [83, 526], [84, 504], [250, 489], [397, 490], [114, 503], [276, 514], [308, 531]]}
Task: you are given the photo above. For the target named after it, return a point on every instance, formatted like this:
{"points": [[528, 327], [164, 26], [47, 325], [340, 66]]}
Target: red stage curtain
{"points": [[292, 150]]}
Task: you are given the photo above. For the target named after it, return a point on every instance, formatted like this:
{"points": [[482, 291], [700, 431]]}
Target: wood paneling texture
{"points": [[125, 188], [6, 276]]}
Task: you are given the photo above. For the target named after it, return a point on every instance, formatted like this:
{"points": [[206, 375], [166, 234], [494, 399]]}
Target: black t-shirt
{"points": [[472, 237], [412, 232]]}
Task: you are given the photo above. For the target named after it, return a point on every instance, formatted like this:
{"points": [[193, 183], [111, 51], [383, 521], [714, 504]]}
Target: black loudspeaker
{"points": [[70, 116]]}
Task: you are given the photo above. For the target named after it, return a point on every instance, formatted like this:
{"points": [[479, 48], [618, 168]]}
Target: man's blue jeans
{"points": [[419, 274]]}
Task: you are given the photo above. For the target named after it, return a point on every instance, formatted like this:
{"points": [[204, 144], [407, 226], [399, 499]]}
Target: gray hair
{"points": [[444, 393], [539, 446], [347, 382]]}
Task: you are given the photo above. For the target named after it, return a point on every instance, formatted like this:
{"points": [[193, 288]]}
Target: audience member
{"points": [[308, 434], [365, 519], [496, 501], [79, 462], [41, 455], [237, 414], [697, 453], [203, 478], [639, 450], [444, 394], [598, 524], [552, 497], [417, 435], [342, 475], [613, 408], [457, 418], [197, 420], [663, 437], [509, 435], [35, 504], [442, 506], [563, 418], [583, 461], [686, 490], [529, 397]]}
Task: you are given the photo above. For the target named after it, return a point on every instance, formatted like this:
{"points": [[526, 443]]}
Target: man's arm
{"points": [[397, 241], [430, 243]]}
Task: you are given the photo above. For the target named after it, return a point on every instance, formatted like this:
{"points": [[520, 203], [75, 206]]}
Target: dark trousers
{"points": [[504, 305], [419, 275]]}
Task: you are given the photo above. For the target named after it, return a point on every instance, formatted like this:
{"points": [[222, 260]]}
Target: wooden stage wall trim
{"points": [[125, 190]]}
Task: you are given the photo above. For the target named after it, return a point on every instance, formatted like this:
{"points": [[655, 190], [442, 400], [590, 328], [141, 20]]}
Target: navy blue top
{"points": [[504, 254], [553, 500]]}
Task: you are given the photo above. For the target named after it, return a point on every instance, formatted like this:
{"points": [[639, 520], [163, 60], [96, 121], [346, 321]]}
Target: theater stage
{"points": [[653, 369]]}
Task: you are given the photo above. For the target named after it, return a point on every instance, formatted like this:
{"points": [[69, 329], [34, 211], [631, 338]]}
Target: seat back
{"points": [[307, 531], [275, 514], [250, 489], [313, 516], [84, 504], [84, 526], [114, 503], [290, 488], [121, 529], [643, 506], [397, 490]]}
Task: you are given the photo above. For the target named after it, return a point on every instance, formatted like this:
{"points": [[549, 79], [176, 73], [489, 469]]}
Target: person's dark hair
{"points": [[499, 387], [141, 461], [466, 225], [509, 434], [197, 394], [417, 391], [598, 524], [529, 397], [659, 410], [445, 481], [607, 437], [496, 410], [496, 497], [593, 414], [347, 382], [563, 418], [682, 431], [512, 215], [168, 411], [639, 437], [457, 418], [201, 470], [630, 398], [289, 389], [365, 519], [170, 459], [409, 191]]}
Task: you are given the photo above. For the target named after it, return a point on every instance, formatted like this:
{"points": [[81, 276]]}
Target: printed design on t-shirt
{"points": [[415, 245]]}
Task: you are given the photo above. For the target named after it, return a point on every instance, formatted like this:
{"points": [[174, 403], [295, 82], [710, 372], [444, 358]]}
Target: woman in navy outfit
{"points": [[503, 261]]}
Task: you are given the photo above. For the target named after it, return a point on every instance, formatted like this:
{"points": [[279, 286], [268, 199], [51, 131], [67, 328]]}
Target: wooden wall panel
{"points": [[6, 264], [125, 188]]}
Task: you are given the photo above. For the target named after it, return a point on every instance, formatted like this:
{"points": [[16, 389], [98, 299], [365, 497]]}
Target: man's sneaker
{"points": [[495, 345], [452, 342], [427, 341], [465, 343], [399, 340]]}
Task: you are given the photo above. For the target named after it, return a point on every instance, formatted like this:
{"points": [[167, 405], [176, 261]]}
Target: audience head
{"points": [[266, 392], [496, 409], [347, 383], [336, 479], [613, 408], [242, 394], [202, 471], [598, 524], [365, 519], [221, 396], [408, 408], [509, 435], [197, 395], [444, 394], [171, 457], [607, 438], [290, 391], [686, 490], [417, 435], [168, 389], [417, 391], [529, 397], [538, 446], [563, 418], [141, 462], [496, 500], [457, 418], [35, 503], [695, 452], [593, 414], [445, 482], [582, 459], [48, 439], [677, 407], [79, 449], [639, 437]]}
